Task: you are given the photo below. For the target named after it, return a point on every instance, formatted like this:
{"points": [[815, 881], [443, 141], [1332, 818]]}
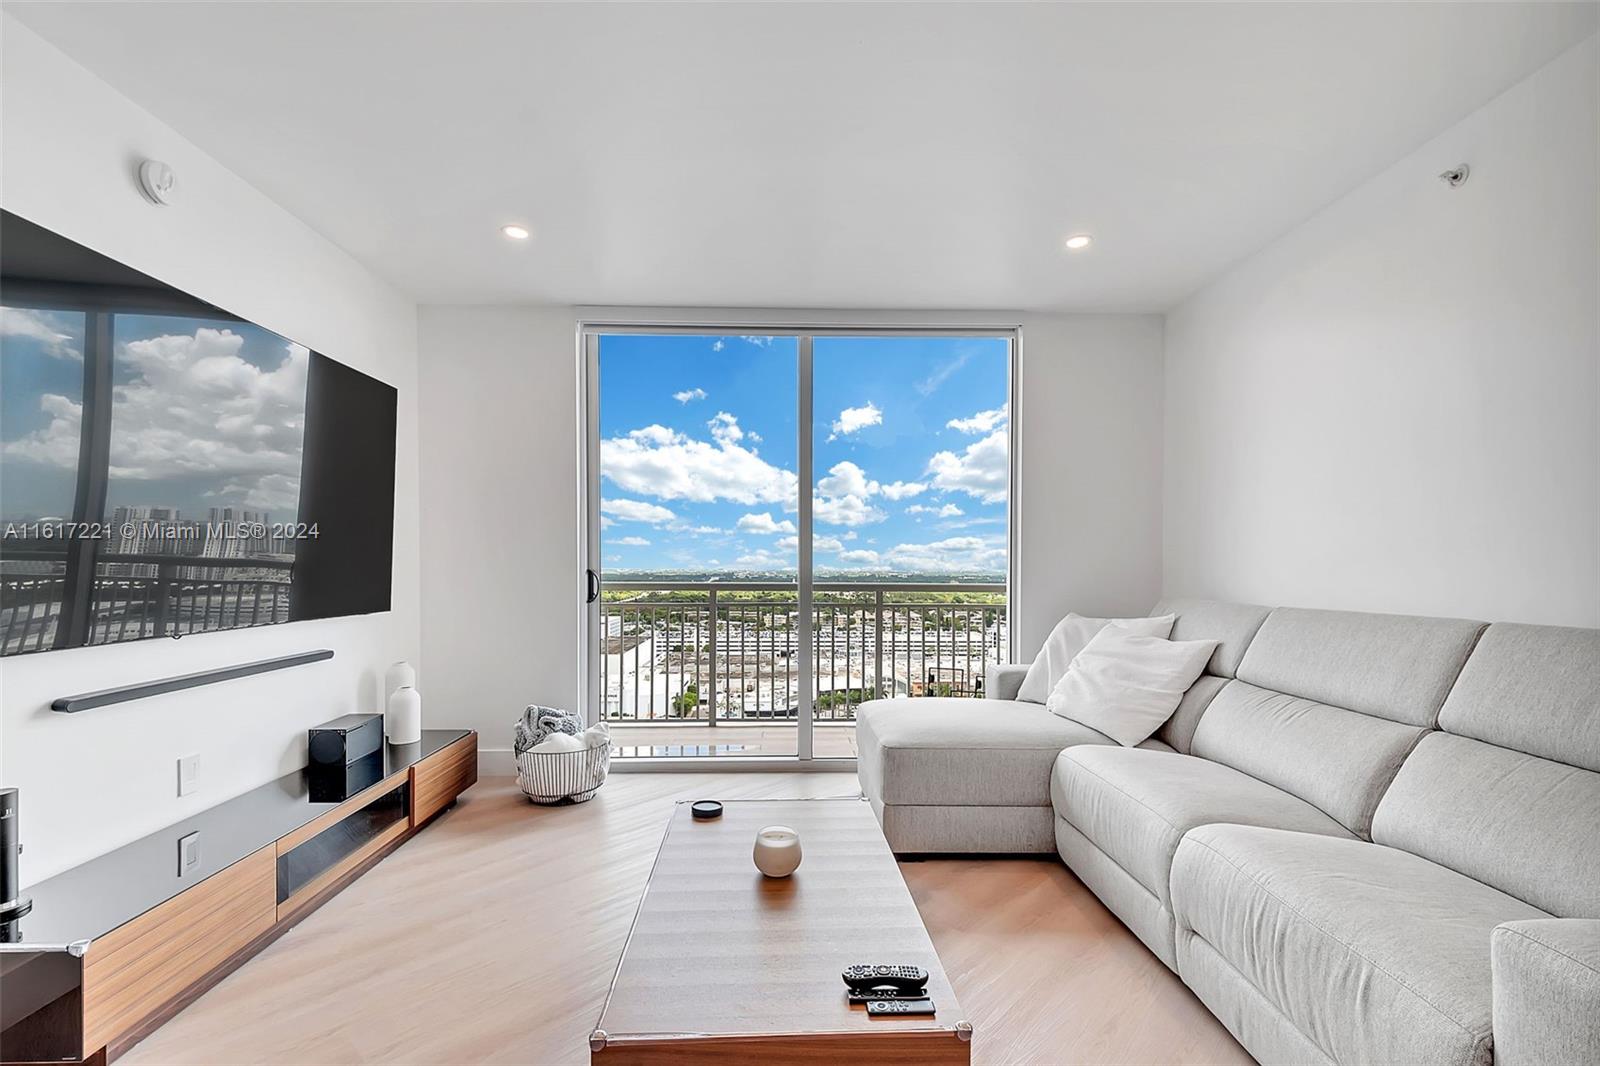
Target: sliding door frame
{"points": [[589, 332]]}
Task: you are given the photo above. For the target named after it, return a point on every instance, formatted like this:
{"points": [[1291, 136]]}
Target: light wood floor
{"points": [[491, 937]]}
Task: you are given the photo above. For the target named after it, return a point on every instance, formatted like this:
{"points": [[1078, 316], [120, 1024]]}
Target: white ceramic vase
{"points": [[400, 673], [777, 851], [402, 723]]}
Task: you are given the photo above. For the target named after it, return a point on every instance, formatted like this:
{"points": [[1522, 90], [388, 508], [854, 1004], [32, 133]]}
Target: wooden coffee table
{"points": [[724, 965]]}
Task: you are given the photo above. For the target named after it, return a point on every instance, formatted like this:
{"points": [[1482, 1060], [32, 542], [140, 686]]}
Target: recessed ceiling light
{"points": [[516, 232], [1078, 242]]}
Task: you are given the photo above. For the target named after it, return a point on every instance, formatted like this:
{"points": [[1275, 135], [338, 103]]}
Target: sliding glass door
{"points": [[732, 615]]}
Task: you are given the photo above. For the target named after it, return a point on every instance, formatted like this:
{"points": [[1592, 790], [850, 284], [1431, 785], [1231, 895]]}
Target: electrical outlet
{"points": [[188, 774], [188, 853]]}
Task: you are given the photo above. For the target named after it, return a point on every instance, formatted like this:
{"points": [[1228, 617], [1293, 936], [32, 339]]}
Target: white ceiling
{"points": [[832, 155]]}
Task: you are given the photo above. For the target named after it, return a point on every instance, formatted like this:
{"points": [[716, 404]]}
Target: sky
{"points": [[204, 414], [699, 453]]}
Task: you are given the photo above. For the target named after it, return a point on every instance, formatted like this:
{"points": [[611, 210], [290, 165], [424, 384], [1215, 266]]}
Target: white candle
{"points": [[777, 852]]}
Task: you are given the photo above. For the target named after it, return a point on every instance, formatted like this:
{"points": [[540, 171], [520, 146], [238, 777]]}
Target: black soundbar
{"points": [[90, 700]]}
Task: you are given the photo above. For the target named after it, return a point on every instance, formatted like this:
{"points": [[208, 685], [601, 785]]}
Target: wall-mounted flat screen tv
{"points": [[168, 468]]}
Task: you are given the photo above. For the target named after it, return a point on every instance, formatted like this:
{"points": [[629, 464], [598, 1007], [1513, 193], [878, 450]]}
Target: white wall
{"points": [[1395, 406], [1091, 470], [501, 500], [94, 780], [500, 592]]}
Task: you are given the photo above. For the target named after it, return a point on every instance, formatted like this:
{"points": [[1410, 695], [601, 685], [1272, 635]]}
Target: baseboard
{"points": [[498, 762]]}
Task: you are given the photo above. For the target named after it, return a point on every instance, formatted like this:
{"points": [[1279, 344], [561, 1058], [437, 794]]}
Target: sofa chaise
{"points": [[1359, 838]]}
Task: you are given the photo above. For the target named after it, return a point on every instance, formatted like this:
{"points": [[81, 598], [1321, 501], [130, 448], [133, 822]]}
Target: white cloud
{"points": [[841, 498], [982, 422], [762, 559], [719, 345], [269, 492], [954, 554], [656, 461], [58, 443], [818, 544], [759, 342], [725, 428], [637, 511], [630, 542], [850, 510], [847, 479], [980, 470], [860, 557], [901, 490], [689, 394], [852, 419], [53, 328], [764, 523], [194, 408], [949, 510]]}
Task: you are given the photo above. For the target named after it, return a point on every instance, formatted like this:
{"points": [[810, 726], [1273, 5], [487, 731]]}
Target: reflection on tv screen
{"points": [[167, 468]]}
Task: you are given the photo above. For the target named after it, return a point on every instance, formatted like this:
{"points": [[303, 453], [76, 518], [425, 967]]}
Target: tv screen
{"points": [[168, 468]]}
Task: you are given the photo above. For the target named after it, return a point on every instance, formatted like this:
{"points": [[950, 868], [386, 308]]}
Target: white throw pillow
{"points": [[1126, 685], [1068, 638]]}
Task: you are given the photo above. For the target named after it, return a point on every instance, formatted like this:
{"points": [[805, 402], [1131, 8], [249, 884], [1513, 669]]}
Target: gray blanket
{"points": [[538, 722]]}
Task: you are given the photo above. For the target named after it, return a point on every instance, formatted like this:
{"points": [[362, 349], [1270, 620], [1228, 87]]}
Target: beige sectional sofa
{"points": [[1360, 837]]}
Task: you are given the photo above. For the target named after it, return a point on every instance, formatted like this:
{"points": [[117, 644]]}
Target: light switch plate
{"points": [[188, 774], [188, 853]]}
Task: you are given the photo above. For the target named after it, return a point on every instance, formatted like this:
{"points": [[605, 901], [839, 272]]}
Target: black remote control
{"points": [[867, 995], [894, 1008], [904, 978]]}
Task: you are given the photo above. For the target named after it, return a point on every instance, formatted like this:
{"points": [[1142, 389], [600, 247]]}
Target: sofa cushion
{"points": [[1070, 636], [1231, 625], [1126, 685], [1534, 689], [953, 750], [1375, 954], [1136, 805], [1392, 666], [1178, 731], [1336, 759], [1528, 826], [1120, 891]]}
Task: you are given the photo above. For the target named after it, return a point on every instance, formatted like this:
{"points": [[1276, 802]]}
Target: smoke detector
{"points": [[157, 181]]}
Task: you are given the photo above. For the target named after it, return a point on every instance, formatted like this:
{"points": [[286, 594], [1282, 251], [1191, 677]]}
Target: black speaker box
{"points": [[335, 784], [344, 740]]}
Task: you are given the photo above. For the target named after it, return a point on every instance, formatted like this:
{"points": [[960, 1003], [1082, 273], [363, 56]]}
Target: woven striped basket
{"points": [[555, 778]]}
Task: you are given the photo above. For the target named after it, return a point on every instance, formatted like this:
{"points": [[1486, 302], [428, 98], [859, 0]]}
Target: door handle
{"points": [[593, 580]]}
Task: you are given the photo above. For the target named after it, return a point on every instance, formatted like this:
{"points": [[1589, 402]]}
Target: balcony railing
{"points": [[139, 596], [720, 652]]}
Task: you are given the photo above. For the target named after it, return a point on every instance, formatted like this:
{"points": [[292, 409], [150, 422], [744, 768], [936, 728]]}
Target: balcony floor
{"points": [[728, 740]]}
